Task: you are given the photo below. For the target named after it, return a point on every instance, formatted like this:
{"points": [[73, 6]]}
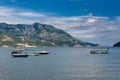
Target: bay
{"points": [[60, 64]]}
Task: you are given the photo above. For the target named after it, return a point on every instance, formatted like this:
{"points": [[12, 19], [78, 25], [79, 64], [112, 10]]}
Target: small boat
{"points": [[44, 52], [41, 52], [99, 51], [20, 55]]}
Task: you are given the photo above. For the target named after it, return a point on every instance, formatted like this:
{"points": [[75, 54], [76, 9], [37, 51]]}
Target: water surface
{"points": [[60, 64]]}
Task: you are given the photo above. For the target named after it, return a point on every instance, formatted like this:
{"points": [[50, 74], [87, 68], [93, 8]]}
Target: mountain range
{"points": [[37, 34]]}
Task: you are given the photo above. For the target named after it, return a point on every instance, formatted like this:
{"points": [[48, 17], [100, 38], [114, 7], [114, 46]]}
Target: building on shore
{"points": [[24, 45]]}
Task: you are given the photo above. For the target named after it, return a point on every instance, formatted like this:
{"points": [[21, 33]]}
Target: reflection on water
{"points": [[60, 64]]}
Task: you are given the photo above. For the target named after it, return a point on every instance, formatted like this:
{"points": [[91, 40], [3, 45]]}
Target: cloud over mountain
{"points": [[98, 29]]}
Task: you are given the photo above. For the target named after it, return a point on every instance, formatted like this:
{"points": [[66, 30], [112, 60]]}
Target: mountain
{"points": [[116, 44], [37, 34]]}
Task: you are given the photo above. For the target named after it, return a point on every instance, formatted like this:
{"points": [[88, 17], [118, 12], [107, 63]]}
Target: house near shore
{"points": [[24, 45]]}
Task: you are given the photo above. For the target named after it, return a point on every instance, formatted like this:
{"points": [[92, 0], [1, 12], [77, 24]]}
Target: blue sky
{"points": [[96, 21]]}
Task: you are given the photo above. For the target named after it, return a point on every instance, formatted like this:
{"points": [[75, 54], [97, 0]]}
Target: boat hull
{"points": [[41, 52], [19, 55], [44, 53]]}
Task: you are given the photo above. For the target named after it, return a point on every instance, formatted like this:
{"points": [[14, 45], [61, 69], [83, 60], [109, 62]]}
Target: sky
{"points": [[95, 21]]}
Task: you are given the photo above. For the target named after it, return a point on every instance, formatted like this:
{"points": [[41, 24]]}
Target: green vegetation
{"points": [[36, 34]]}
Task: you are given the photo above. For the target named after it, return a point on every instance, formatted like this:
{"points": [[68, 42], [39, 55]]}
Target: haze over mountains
{"points": [[37, 34]]}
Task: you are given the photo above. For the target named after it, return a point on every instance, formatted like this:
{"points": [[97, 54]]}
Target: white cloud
{"points": [[87, 36], [90, 21], [96, 29], [31, 14], [5, 11]]}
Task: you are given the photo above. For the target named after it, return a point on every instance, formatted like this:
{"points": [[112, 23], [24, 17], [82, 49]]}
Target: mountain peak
{"points": [[36, 23]]}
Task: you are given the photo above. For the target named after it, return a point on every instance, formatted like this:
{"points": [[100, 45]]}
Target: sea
{"points": [[60, 64]]}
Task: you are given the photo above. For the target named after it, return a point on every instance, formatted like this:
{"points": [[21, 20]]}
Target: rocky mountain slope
{"points": [[116, 44], [37, 34]]}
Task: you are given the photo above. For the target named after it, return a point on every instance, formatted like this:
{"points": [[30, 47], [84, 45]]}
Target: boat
{"points": [[41, 52], [99, 51], [44, 52], [20, 55]]}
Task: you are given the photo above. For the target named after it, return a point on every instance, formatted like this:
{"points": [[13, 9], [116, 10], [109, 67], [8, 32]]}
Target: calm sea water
{"points": [[67, 64]]}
